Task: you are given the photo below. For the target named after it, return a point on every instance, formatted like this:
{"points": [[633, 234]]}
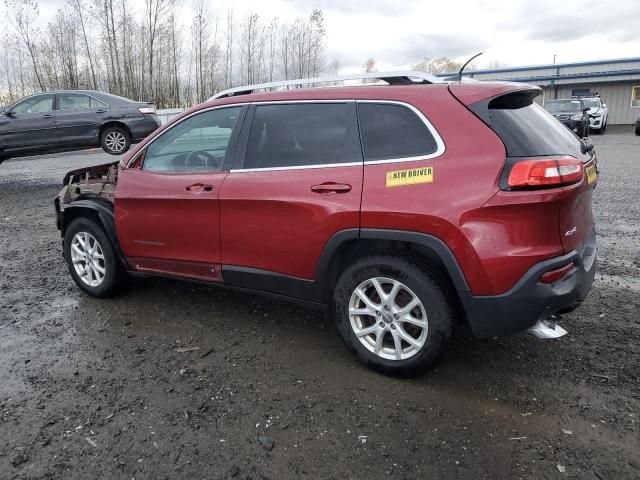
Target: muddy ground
{"points": [[101, 388]]}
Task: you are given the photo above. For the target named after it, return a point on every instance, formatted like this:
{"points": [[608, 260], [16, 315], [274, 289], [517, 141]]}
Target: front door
{"points": [[29, 124], [78, 118], [166, 207], [297, 183]]}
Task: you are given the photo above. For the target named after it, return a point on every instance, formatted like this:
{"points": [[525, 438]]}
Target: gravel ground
{"points": [[117, 389]]}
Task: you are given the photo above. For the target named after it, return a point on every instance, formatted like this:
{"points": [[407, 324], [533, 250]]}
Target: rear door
{"points": [[30, 124], [167, 212], [296, 183], [78, 118]]}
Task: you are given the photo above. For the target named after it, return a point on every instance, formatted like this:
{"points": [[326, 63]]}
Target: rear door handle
{"points": [[101, 111], [331, 188], [46, 115], [197, 188]]}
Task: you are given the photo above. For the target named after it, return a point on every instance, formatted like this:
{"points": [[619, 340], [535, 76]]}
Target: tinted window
{"points": [[77, 101], [527, 129], [302, 134], [197, 144], [393, 131], [39, 104]]}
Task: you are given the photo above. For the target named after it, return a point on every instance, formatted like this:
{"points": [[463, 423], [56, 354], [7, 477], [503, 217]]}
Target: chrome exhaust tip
{"points": [[547, 329]]}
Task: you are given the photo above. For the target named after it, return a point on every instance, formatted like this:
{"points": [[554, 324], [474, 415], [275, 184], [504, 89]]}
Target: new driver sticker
{"points": [[411, 176]]}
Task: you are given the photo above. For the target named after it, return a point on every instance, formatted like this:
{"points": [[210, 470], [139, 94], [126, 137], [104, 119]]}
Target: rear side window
{"points": [[302, 134], [77, 101], [391, 131], [527, 129]]}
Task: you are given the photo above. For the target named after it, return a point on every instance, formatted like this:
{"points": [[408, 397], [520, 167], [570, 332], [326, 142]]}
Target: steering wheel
{"points": [[198, 159]]}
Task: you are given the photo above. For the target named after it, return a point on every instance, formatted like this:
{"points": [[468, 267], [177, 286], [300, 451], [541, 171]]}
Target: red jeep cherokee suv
{"points": [[405, 208]]}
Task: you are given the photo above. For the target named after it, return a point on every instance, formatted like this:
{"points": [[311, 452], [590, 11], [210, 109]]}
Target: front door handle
{"points": [[47, 115], [331, 188], [101, 111], [197, 188]]}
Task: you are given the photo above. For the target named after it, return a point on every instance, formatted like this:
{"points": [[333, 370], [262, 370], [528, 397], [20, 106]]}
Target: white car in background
{"points": [[598, 113]]}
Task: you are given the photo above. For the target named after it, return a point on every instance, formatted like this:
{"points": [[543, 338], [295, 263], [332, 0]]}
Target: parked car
{"points": [[369, 201], [598, 113], [67, 120], [572, 113], [638, 125]]}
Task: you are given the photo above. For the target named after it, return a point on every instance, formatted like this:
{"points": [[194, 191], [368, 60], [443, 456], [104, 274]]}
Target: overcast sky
{"points": [[398, 33]]}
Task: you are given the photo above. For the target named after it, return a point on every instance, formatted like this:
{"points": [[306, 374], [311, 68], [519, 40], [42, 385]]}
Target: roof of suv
{"points": [[469, 91]]}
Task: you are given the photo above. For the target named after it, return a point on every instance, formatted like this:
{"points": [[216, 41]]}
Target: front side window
{"points": [[302, 134], [77, 101], [197, 144], [392, 131], [38, 104]]}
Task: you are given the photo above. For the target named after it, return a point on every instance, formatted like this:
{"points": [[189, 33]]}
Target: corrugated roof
{"points": [[544, 67]]}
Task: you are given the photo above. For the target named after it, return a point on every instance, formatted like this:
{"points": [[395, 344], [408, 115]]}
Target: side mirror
{"points": [[9, 113], [604, 105], [586, 110]]}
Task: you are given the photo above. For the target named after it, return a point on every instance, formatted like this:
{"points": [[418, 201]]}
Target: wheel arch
{"points": [[348, 246], [101, 212]]}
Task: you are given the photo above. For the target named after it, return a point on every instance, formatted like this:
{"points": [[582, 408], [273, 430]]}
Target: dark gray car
{"points": [[67, 120]]}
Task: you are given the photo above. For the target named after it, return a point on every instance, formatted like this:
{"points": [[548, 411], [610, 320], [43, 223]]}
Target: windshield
{"points": [[591, 103], [570, 106]]}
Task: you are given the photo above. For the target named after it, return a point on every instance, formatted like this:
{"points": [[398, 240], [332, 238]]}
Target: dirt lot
{"points": [[101, 389]]}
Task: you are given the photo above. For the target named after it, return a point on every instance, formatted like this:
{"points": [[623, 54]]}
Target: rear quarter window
{"points": [[393, 131]]}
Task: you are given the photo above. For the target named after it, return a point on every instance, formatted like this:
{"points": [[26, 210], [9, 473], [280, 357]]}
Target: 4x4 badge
{"points": [[411, 176]]}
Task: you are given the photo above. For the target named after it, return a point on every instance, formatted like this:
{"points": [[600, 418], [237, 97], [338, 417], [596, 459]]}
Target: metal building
{"points": [[617, 81]]}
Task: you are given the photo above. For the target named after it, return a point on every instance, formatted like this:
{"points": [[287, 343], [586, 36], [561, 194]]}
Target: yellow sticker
{"points": [[411, 176], [592, 174]]}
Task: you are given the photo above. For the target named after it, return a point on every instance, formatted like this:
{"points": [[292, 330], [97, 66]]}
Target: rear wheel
{"points": [[638, 129], [393, 315], [91, 259], [115, 140]]}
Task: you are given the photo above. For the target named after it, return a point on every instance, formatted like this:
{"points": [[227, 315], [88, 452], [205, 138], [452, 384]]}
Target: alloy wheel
{"points": [[115, 141], [388, 318], [88, 259]]}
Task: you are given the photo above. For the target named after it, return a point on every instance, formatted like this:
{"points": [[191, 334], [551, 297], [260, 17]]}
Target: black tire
{"points": [[115, 276], [638, 130], [438, 308], [115, 140]]}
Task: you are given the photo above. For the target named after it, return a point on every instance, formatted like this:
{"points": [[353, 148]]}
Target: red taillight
{"points": [[544, 172], [557, 274]]}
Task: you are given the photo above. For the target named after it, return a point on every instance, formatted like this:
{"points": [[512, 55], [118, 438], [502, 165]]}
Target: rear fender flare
{"points": [[437, 246]]}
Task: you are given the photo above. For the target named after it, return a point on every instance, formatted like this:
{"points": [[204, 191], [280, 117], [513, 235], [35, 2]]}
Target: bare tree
{"points": [[23, 14], [142, 50], [79, 8]]}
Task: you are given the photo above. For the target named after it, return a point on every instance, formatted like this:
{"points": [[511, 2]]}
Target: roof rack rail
{"points": [[392, 78]]}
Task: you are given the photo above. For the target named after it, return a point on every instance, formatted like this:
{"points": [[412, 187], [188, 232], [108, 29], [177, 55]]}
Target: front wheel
{"points": [[115, 140], [91, 259], [638, 130], [393, 315]]}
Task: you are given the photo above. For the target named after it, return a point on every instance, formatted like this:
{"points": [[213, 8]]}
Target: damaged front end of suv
{"points": [[91, 183]]}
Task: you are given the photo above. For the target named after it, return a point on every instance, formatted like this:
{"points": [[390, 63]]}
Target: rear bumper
{"points": [[531, 300]]}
